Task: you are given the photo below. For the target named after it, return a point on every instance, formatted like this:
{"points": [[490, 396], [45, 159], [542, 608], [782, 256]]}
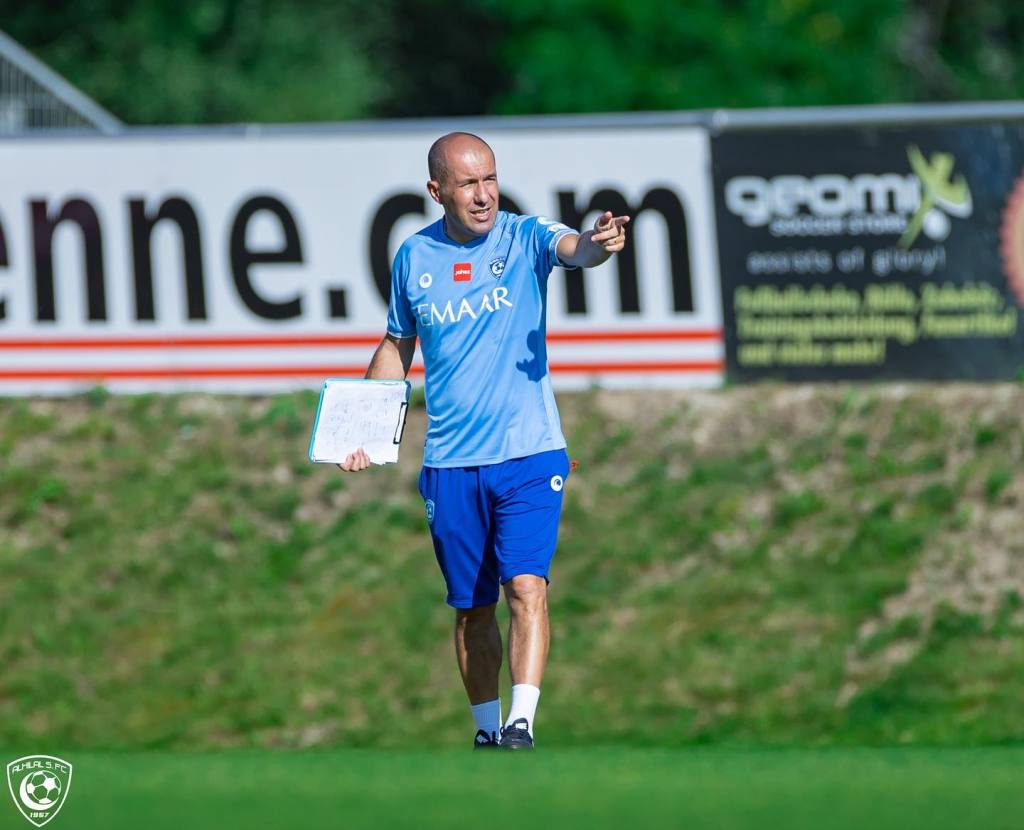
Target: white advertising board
{"points": [[163, 262]]}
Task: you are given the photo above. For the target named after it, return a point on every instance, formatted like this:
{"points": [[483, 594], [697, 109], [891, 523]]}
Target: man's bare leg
{"points": [[478, 651], [528, 641]]}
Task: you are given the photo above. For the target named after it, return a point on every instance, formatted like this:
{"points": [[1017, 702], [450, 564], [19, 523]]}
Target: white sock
{"points": [[524, 704], [488, 716]]}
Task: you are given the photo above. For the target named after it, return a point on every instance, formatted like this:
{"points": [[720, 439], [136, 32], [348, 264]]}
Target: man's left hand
{"points": [[610, 232], [591, 248]]}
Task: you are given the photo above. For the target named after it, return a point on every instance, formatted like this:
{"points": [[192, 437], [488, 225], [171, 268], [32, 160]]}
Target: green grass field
{"points": [[589, 788]]}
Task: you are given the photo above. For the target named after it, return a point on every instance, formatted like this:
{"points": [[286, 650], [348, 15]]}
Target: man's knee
{"points": [[527, 593]]}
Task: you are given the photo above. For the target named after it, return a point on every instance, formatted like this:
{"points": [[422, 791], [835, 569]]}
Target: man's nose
{"points": [[480, 194]]}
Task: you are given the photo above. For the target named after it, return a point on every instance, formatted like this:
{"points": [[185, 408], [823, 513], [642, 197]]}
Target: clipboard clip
{"points": [[401, 423]]}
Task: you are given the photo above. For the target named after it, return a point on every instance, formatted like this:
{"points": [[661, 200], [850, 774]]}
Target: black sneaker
{"points": [[517, 735], [485, 740]]}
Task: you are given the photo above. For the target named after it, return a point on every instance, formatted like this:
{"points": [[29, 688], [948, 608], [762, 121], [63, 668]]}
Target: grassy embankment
{"points": [[772, 566]]}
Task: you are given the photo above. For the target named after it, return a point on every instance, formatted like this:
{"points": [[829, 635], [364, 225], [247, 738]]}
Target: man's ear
{"points": [[434, 189]]}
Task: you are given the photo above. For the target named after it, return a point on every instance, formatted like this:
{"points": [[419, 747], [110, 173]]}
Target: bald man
{"points": [[473, 288]]}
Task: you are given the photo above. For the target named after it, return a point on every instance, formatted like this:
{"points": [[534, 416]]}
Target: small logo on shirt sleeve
{"points": [[462, 272], [551, 224]]}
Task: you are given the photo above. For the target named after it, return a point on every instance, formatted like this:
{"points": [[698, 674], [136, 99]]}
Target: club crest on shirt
{"points": [[498, 267]]}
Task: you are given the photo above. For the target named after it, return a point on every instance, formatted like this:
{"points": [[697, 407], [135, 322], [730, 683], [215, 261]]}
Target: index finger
{"points": [[619, 221]]}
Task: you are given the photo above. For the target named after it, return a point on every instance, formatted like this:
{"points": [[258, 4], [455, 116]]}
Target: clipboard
{"points": [[353, 414]]}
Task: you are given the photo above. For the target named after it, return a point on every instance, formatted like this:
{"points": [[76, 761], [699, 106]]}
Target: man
{"points": [[472, 287]]}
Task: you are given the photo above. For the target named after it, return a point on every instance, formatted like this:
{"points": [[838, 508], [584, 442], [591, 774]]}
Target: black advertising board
{"points": [[862, 253]]}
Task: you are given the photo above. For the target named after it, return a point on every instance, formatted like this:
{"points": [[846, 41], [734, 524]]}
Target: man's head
{"points": [[464, 181]]}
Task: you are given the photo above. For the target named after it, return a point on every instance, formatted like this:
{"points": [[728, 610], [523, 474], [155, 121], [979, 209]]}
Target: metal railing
{"points": [[34, 97]]}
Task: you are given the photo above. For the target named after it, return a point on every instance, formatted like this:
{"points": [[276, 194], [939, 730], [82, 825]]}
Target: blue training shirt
{"points": [[480, 311]]}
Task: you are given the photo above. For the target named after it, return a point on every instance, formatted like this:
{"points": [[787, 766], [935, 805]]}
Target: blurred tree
{"points": [[604, 55], [965, 48], [160, 61], [438, 56], [195, 61]]}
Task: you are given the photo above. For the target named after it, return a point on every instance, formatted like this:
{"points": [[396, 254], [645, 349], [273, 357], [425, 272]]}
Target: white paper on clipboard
{"points": [[359, 413]]}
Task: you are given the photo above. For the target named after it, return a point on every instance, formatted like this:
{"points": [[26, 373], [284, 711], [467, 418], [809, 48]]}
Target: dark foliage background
{"points": [[201, 61]]}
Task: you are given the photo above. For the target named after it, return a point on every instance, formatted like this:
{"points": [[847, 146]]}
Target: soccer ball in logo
{"points": [[43, 788]]}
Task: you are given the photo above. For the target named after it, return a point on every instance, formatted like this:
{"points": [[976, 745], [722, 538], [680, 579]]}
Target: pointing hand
{"points": [[610, 232]]}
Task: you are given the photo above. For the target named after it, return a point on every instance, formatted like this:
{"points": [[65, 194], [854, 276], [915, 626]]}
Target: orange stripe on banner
{"points": [[188, 342], [200, 372], [193, 372], [256, 341]]}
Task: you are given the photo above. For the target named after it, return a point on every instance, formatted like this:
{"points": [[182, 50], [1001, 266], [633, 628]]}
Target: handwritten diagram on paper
{"points": [[353, 414]]}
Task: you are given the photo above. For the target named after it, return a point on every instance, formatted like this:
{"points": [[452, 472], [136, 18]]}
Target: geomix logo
{"points": [[39, 785], [866, 204]]}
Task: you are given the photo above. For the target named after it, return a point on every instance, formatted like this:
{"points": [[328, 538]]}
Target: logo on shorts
{"points": [[429, 507], [425, 280], [556, 483], [498, 267], [39, 785]]}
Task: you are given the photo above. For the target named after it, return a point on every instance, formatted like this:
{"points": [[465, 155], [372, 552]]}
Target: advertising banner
{"points": [[870, 253], [231, 263]]}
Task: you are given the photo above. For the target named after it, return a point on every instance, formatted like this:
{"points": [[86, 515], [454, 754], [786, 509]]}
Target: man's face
{"points": [[468, 192]]}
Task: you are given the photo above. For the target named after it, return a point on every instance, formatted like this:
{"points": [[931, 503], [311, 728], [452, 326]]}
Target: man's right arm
{"points": [[391, 361]]}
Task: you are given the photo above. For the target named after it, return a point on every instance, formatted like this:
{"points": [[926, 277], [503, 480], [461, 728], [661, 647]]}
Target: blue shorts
{"points": [[493, 522]]}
